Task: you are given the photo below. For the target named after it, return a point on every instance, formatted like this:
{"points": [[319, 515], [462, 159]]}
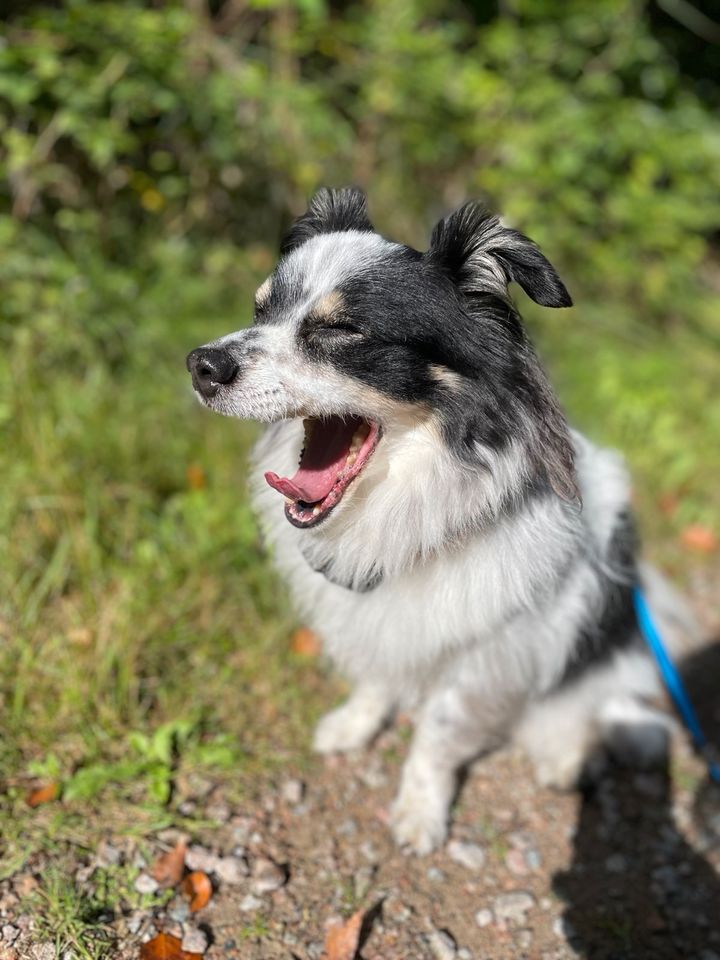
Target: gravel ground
{"points": [[631, 870]]}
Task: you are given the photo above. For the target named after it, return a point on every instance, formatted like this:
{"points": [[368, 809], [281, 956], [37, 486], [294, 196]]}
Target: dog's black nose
{"points": [[210, 367]]}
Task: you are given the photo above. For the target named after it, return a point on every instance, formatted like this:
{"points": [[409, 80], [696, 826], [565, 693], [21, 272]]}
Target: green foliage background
{"points": [[150, 156]]}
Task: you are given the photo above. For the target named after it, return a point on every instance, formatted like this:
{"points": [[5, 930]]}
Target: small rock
{"points": [[24, 884], [135, 921], [107, 855], [268, 876], [348, 827], [250, 903], [292, 791], [373, 774], [83, 874], [484, 917], [194, 940], [242, 827], [144, 883], [43, 951], [616, 863], [435, 874], [464, 954], [515, 862], [533, 859], [369, 851], [10, 933], [469, 855], [442, 944], [219, 811], [200, 858], [520, 840], [231, 870], [180, 911], [513, 906], [524, 939]]}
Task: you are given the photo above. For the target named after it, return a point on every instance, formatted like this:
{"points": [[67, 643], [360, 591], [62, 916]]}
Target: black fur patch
{"points": [[330, 211], [615, 627]]}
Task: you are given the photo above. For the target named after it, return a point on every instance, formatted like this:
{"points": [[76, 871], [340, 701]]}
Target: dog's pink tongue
{"points": [[325, 454]]}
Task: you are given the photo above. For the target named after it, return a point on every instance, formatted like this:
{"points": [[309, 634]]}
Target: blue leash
{"points": [[673, 682]]}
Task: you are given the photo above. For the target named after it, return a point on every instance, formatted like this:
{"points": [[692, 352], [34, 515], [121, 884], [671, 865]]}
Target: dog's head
{"points": [[366, 340]]}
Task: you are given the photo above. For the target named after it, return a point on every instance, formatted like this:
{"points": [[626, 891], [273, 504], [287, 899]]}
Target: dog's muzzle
{"points": [[211, 367]]}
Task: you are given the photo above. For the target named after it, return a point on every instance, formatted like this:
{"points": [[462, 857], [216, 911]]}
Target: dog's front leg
{"points": [[354, 724], [451, 730]]}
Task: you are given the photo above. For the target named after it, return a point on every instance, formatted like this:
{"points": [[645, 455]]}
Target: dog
{"points": [[464, 555]]}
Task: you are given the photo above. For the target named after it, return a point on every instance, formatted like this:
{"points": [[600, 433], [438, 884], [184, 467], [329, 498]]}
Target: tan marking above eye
{"points": [[328, 306], [263, 293], [446, 376]]}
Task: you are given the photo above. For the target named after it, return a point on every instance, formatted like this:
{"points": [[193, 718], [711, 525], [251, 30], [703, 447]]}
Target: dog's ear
{"points": [[329, 211], [480, 253]]}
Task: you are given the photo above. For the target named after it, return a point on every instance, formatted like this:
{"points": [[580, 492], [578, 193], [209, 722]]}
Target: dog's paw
{"points": [[418, 827], [344, 729]]}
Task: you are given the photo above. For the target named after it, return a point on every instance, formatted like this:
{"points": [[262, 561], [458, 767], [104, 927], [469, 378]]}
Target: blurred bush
{"points": [[124, 121]]}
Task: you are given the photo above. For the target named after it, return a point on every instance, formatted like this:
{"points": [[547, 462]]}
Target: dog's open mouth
{"points": [[335, 452]]}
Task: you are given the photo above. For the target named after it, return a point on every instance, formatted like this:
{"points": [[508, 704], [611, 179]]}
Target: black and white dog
{"points": [[462, 553]]}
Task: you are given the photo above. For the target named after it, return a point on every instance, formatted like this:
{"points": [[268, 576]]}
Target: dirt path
{"points": [[630, 871]]}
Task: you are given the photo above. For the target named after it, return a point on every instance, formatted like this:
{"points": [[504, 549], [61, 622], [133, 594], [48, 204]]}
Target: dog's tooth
{"points": [[316, 511], [351, 460], [289, 500]]}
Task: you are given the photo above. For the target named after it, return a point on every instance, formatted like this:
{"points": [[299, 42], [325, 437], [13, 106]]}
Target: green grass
{"points": [[75, 918], [142, 633], [143, 636]]}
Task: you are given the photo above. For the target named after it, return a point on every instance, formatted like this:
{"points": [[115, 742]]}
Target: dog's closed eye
{"points": [[339, 327], [329, 319]]}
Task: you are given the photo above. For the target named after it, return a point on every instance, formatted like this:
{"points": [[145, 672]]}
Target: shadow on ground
{"points": [[636, 889]]}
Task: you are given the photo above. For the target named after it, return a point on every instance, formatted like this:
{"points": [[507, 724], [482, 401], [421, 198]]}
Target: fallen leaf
{"points": [[342, 939], [169, 867], [699, 538], [166, 947], [669, 503], [82, 636], [44, 794], [195, 475], [198, 889], [305, 642]]}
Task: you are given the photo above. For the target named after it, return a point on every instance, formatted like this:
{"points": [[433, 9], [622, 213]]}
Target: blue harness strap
{"points": [[673, 681]]}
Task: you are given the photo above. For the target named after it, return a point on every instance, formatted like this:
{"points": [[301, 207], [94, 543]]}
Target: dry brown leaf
{"points": [[699, 538], [669, 503], [169, 867], [44, 794], [342, 939], [305, 642], [198, 889], [166, 947], [195, 475]]}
